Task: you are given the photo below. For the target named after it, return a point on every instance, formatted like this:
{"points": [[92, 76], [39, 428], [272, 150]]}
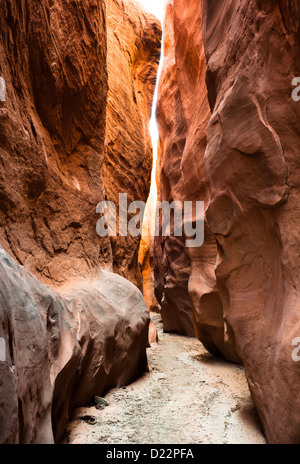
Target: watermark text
{"points": [[178, 219]]}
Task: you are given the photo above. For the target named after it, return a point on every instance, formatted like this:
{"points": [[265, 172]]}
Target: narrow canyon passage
{"points": [[99, 226], [188, 397]]}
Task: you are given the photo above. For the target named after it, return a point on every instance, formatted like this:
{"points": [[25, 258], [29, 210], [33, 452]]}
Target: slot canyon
{"points": [[141, 338]]}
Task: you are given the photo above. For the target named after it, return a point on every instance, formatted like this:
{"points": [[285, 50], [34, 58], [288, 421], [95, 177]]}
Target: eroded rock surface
{"points": [[53, 127], [64, 348], [185, 278], [252, 165]]}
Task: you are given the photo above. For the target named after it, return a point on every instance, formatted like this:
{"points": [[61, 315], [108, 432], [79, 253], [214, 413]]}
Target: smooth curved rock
{"points": [[62, 349], [252, 51], [244, 283], [185, 278]]}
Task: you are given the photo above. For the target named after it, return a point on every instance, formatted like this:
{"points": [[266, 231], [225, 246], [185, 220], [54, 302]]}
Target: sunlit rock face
{"points": [[229, 132], [134, 42], [146, 251]]}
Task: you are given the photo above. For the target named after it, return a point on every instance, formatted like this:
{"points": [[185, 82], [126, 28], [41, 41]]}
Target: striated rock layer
{"points": [[62, 349], [241, 290]]}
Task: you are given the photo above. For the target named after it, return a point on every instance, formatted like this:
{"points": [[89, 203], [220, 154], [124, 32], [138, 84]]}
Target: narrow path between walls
{"points": [[189, 397]]}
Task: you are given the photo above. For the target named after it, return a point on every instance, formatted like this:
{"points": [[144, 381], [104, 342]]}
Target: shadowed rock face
{"points": [[53, 127], [242, 288], [62, 349], [172, 264]]}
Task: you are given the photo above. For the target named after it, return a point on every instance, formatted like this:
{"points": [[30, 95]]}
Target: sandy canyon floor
{"points": [[188, 397]]}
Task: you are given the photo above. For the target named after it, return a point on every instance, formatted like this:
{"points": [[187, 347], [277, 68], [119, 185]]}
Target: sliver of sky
{"points": [[156, 7]]}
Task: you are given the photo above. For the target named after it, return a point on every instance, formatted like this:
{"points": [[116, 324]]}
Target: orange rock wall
{"points": [[134, 39], [65, 94], [252, 165], [52, 130], [230, 134], [185, 278], [55, 163]]}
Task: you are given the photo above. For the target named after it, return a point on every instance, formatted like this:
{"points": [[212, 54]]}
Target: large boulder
{"points": [[61, 349]]}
